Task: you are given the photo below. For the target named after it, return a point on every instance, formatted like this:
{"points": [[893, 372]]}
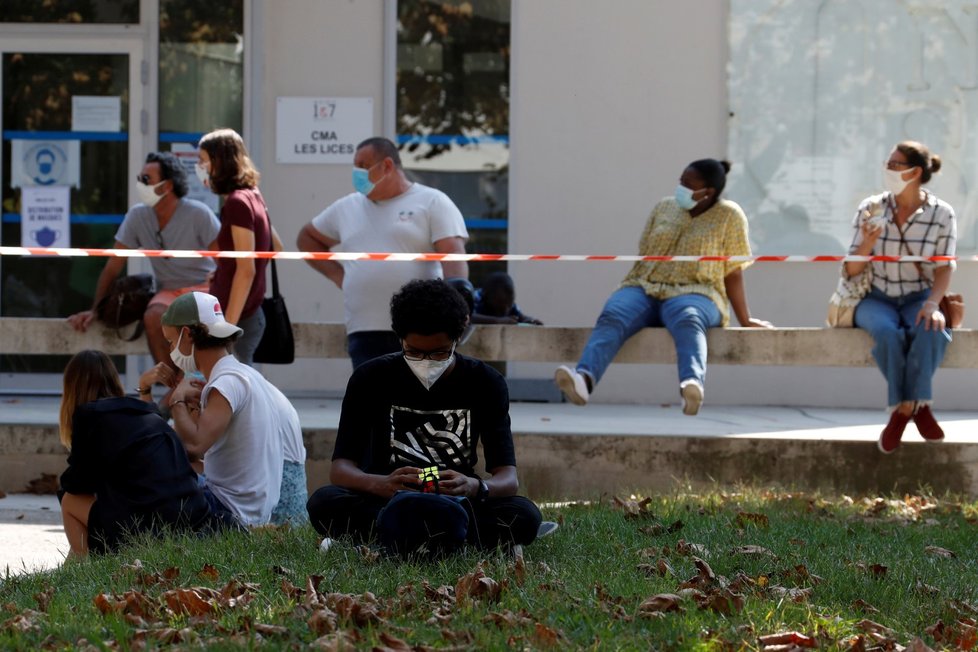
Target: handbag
{"points": [[951, 305], [848, 293], [277, 344], [126, 303]]}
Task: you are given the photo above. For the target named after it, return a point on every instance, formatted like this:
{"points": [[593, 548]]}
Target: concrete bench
{"points": [[566, 451], [815, 347]]}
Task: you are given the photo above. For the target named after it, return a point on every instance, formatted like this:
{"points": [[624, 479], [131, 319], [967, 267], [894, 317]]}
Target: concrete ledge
{"points": [[569, 452], [815, 347]]}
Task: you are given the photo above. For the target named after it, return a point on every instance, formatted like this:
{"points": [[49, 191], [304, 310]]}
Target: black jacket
{"points": [[131, 459]]}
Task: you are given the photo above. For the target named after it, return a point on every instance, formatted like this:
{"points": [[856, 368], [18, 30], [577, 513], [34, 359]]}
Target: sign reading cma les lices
{"points": [[321, 130]]}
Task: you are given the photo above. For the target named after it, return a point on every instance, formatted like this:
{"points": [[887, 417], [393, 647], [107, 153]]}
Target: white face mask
{"points": [[203, 173], [147, 194], [184, 363], [893, 180], [429, 371]]}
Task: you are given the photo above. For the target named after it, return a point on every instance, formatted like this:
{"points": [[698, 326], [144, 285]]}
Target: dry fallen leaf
{"points": [[752, 551], [921, 587], [684, 548], [477, 586], [634, 508], [507, 618], [795, 594], [661, 603], [197, 601], [723, 601], [337, 642], [787, 638], [392, 644], [864, 607], [43, 598], [322, 621], [208, 572], [746, 518], [940, 552], [917, 645], [544, 636]]}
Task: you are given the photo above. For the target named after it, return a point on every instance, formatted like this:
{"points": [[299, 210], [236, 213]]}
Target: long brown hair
{"points": [[89, 376], [231, 167]]}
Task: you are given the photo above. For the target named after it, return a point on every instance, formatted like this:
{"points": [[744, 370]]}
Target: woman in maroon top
{"points": [[239, 283]]}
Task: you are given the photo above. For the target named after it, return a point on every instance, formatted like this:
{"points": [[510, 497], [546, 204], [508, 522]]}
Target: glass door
{"points": [[72, 140]]}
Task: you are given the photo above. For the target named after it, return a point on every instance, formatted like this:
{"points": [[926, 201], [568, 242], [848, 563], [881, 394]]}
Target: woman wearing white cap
{"points": [[242, 427]]}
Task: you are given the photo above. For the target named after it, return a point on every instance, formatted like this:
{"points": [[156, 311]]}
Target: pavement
{"points": [[32, 538]]}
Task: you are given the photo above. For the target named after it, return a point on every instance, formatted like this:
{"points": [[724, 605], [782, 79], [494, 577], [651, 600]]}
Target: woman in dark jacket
{"points": [[127, 470]]}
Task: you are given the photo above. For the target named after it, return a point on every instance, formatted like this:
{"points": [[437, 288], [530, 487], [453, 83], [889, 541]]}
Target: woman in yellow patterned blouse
{"points": [[685, 297]]}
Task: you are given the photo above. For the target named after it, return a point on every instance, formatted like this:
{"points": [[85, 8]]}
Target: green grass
{"points": [[581, 588]]}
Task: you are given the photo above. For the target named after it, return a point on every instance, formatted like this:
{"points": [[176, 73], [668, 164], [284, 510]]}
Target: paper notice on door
{"points": [[95, 113], [45, 217]]}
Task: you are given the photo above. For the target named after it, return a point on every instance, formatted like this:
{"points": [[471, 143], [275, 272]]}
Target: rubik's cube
{"points": [[428, 477]]}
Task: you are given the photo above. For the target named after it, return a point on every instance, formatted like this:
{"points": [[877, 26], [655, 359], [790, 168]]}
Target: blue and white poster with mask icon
{"points": [[44, 163], [45, 217]]}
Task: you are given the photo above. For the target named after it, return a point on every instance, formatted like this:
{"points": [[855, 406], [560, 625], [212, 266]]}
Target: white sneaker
{"points": [[326, 545], [692, 392], [546, 528], [572, 384]]}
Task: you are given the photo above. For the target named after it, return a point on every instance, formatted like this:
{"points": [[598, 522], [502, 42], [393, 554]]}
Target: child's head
{"points": [[498, 294], [89, 376]]}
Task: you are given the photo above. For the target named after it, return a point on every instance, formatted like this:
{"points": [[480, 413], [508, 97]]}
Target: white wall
{"points": [[609, 103], [314, 48]]}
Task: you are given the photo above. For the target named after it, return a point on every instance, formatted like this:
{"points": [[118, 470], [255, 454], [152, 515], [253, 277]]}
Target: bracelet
{"points": [[176, 403], [144, 390], [933, 303]]}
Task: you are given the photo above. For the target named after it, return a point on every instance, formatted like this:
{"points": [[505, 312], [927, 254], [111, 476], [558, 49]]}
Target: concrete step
{"points": [[565, 451]]}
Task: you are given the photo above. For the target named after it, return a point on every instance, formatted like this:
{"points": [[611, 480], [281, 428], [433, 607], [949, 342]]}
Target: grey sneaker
{"points": [[572, 384], [692, 392], [546, 529]]}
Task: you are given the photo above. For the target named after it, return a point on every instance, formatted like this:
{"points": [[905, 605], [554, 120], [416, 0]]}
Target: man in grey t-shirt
{"points": [[165, 219]]}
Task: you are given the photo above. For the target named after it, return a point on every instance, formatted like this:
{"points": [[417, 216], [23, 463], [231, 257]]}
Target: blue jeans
{"points": [[907, 354], [630, 309], [367, 345], [253, 327]]}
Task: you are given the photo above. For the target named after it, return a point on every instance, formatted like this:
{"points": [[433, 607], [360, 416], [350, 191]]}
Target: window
{"points": [[201, 68], [821, 91], [453, 110], [69, 11]]}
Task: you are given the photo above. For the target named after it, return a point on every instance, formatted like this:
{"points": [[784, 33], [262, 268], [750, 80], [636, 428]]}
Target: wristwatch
{"points": [[483, 491]]}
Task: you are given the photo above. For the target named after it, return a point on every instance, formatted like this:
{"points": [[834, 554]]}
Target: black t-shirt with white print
{"points": [[390, 420]]}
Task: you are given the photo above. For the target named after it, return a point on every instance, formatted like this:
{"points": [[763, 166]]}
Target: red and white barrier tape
{"points": [[403, 257]]}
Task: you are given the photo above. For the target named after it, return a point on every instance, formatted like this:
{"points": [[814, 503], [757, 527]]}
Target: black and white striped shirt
{"points": [[931, 231]]}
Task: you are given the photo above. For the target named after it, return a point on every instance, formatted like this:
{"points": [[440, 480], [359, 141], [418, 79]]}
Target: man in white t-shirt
{"points": [[387, 214], [239, 424]]}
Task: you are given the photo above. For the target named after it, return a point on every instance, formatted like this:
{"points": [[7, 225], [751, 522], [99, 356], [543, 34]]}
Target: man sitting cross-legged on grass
{"points": [[425, 407]]}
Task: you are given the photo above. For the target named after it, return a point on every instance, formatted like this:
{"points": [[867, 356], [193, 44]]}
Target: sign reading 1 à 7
{"points": [[321, 129]]}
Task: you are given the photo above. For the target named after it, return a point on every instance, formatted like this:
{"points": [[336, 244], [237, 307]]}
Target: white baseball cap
{"points": [[200, 308]]}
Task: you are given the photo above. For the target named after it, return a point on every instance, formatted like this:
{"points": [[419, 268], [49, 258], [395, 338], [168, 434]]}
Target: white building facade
{"points": [[564, 122]]}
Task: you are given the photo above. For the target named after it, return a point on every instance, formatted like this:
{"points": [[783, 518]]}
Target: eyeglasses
{"points": [[436, 356], [897, 165]]}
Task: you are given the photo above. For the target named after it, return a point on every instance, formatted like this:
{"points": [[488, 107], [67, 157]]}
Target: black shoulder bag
{"points": [[277, 344]]}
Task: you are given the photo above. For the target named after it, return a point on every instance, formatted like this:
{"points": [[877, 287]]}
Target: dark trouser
{"points": [[367, 345], [335, 511]]}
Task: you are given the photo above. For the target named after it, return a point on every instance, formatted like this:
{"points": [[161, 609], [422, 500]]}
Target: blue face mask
{"points": [[361, 181], [684, 197]]}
